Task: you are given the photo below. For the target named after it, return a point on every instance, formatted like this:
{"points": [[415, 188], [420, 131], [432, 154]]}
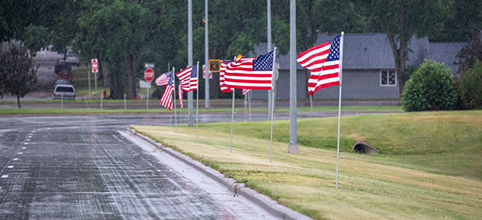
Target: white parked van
{"points": [[64, 91]]}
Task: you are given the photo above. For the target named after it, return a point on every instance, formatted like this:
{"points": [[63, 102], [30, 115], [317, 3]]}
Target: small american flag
{"points": [[222, 71], [250, 73], [324, 63], [166, 99], [180, 96], [163, 79], [246, 91], [188, 77]]}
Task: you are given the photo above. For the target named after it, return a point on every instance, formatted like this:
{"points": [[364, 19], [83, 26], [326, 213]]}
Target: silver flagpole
{"points": [[232, 120], [197, 98], [311, 102], [249, 104], [339, 109], [245, 102], [174, 84], [273, 81]]}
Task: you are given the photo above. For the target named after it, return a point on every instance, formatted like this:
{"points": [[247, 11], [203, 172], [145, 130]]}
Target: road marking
{"points": [[25, 143], [28, 139], [23, 148], [20, 153], [10, 167], [4, 176], [15, 159], [30, 136]]}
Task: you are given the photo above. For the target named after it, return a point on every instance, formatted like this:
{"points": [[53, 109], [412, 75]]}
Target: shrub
{"points": [[471, 87], [431, 87]]}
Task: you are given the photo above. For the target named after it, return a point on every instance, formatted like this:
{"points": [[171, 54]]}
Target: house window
{"points": [[388, 78]]}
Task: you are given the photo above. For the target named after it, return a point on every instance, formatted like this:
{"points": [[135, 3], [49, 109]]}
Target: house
{"points": [[368, 67]]}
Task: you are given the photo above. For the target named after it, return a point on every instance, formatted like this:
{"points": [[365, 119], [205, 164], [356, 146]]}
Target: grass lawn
{"points": [[428, 165]]}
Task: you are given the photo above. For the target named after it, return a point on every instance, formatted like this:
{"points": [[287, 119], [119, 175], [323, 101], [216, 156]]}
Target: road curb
{"points": [[238, 189]]}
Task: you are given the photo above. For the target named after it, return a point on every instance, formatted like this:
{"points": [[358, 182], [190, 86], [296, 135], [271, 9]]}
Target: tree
{"points": [[118, 31], [431, 87], [403, 19], [463, 20], [470, 53], [470, 87], [17, 72]]}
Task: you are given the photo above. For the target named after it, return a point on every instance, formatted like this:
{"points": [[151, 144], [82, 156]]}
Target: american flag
{"points": [[246, 91], [163, 79], [222, 71], [324, 63], [180, 96], [250, 73], [166, 99], [188, 77]]}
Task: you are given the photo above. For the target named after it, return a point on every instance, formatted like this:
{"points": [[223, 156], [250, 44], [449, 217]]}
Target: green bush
{"points": [[471, 87], [431, 87]]}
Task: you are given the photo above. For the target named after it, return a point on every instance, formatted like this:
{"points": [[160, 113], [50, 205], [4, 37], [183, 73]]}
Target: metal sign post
{"points": [[148, 76]]}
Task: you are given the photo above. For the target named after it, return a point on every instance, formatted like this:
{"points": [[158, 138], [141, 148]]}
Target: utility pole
{"points": [[189, 59], [206, 55], [293, 146], [270, 92]]}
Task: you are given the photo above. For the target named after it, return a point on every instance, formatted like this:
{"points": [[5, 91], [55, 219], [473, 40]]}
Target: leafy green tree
{"points": [[470, 87], [117, 30], [431, 87], [470, 53], [17, 73], [462, 21], [402, 19], [39, 23]]}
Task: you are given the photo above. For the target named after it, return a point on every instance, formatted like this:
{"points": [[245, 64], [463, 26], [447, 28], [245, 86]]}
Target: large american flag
{"points": [[222, 71], [188, 78], [250, 73], [166, 99], [324, 63]]}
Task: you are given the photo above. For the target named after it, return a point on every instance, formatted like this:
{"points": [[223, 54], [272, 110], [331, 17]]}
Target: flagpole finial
{"points": [[342, 33]]}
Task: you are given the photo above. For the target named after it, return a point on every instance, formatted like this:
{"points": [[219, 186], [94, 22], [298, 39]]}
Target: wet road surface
{"points": [[86, 167]]}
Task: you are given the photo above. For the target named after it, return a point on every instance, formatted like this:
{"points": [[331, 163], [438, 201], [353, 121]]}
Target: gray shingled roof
{"points": [[445, 53]]}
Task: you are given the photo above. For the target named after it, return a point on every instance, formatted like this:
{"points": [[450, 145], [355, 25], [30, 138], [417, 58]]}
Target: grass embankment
{"points": [[429, 164]]}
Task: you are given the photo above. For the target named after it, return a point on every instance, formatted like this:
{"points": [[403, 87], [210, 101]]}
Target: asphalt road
{"points": [[87, 167]]}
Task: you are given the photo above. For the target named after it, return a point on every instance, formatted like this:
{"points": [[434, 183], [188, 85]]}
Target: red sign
{"points": [[204, 73], [95, 67], [149, 74]]}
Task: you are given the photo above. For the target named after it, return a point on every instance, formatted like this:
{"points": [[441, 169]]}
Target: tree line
{"points": [[125, 34]]}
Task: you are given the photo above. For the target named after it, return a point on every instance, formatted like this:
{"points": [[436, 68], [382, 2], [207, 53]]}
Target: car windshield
{"points": [[64, 89], [72, 54], [62, 81]]}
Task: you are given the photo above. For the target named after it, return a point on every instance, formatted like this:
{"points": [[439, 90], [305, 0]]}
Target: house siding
{"points": [[357, 84]]}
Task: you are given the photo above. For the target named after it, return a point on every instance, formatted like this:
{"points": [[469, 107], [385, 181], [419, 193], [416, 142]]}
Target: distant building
{"points": [[368, 67]]}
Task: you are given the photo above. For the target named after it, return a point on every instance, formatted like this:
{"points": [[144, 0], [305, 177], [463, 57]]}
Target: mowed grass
{"points": [[428, 167]]}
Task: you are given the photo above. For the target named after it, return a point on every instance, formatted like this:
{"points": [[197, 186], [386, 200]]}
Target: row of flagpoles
{"points": [[248, 73]]}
